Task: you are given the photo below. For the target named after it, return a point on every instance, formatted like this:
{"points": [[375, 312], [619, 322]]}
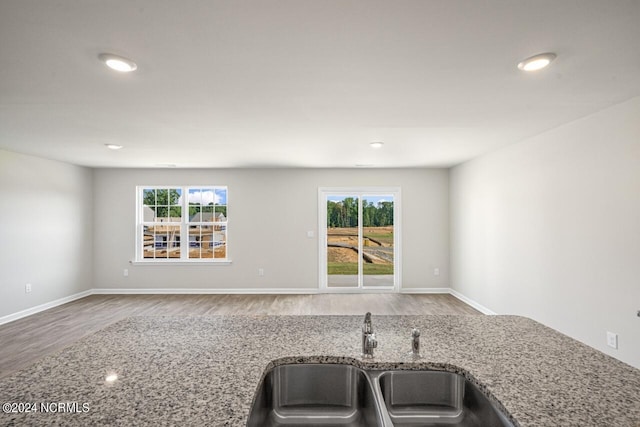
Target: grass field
{"points": [[352, 268]]}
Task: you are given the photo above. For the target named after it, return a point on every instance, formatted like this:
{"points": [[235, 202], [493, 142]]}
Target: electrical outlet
{"points": [[27, 288], [612, 340], [310, 234], [261, 272], [125, 273], [436, 271]]}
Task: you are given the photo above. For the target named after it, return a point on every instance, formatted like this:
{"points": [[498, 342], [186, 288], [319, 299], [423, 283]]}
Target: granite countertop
{"points": [[205, 370]]}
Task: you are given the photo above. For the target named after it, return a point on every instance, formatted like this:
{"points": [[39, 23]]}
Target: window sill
{"points": [[174, 263]]}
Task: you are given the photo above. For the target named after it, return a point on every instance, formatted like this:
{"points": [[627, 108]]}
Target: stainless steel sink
{"points": [[343, 395], [315, 395], [435, 398]]}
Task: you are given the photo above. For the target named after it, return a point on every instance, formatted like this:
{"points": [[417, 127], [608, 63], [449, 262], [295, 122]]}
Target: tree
{"points": [[163, 201], [344, 213], [384, 214]]}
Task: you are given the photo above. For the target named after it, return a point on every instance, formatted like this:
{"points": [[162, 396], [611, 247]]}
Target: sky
{"points": [[206, 196]]}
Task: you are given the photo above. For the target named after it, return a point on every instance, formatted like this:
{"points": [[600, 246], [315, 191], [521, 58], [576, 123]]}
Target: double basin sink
{"points": [[343, 395]]}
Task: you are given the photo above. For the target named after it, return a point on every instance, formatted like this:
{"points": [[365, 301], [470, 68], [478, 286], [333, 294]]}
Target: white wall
{"points": [[270, 212], [46, 226], [550, 229]]}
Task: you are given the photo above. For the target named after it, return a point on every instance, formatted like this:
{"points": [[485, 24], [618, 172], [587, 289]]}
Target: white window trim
{"points": [[184, 231], [323, 192]]}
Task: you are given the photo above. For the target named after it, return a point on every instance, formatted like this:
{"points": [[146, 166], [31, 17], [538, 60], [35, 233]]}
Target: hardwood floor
{"points": [[25, 340]]}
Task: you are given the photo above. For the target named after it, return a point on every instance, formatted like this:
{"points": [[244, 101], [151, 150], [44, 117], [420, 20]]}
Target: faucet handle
{"points": [[415, 342]]}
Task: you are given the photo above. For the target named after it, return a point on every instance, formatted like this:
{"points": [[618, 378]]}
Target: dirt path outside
{"points": [[379, 247]]}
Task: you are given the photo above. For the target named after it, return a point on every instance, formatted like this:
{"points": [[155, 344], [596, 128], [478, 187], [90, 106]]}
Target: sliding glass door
{"points": [[359, 239], [378, 241], [342, 235]]}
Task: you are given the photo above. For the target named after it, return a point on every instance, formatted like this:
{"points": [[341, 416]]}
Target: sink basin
{"points": [[435, 398], [315, 395], [342, 395]]}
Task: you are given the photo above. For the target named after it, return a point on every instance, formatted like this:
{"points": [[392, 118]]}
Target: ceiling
{"points": [[304, 83]]}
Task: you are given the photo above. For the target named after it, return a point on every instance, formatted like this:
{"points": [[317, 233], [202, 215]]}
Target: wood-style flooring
{"points": [[24, 341]]}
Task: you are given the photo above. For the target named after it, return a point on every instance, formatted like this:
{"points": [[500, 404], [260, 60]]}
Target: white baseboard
{"points": [[42, 307], [195, 291], [425, 291], [337, 290], [482, 309]]}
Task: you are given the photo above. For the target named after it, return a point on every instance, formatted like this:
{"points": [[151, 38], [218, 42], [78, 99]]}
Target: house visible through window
{"points": [[182, 223]]}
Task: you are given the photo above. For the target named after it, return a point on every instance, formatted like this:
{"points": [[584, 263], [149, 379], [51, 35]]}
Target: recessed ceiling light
{"points": [[376, 144], [166, 165], [118, 63], [537, 62], [113, 146]]}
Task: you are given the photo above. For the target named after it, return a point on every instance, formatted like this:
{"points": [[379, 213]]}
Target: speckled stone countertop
{"points": [[205, 370]]}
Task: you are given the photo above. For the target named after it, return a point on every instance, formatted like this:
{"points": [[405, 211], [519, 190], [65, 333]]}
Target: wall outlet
{"points": [[261, 272], [27, 288], [125, 273], [310, 234], [436, 271], [612, 340]]}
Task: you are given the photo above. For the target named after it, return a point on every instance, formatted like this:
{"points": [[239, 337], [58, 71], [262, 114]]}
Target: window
{"points": [[182, 224]]}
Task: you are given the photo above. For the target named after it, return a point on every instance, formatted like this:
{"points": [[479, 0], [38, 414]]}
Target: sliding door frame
{"points": [[361, 192]]}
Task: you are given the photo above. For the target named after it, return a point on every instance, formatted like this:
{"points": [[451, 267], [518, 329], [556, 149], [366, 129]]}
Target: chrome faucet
{"points": [[369, 341], [415, 342]]}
